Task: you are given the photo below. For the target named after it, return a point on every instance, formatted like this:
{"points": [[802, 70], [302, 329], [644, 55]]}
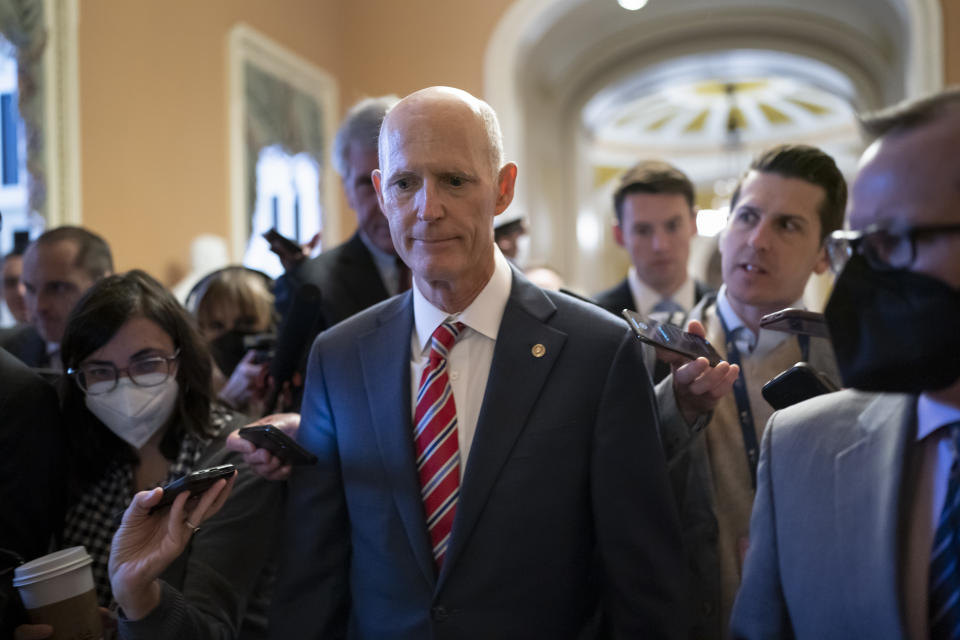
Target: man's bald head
{"points": [[453, 98], [441, 182]]}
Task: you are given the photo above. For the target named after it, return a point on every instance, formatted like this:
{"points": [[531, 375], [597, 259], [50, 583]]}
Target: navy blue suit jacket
{"points": [[564, 503]]}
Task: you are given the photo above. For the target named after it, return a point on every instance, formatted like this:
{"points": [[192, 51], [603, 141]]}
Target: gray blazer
{"points": [[824, 545], [691, 476]]}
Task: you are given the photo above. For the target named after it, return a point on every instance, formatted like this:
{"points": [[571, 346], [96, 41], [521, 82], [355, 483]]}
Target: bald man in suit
{"points": [[489, 459]]}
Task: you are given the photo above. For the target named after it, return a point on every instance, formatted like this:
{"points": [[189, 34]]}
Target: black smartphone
{"points": [[672, 338], [278, 443], [289, 246], [196, 482], [798, 383], [798, 321]]}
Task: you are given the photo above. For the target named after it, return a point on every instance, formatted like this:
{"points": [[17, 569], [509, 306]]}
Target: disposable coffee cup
{"points": [[57, 589]]}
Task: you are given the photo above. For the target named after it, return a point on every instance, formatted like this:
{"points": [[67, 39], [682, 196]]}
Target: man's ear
{"points": [[375, 177], [506, 181], [618, 233], [823, 261]]}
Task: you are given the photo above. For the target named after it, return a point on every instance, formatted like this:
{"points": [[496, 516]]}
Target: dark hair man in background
{"points": [[790, 198], [655, 222], [854, 533], [58, 268]]}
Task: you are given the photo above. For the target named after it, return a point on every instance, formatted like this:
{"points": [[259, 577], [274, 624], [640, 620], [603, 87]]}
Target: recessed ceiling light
{"points": [[632, 5]]}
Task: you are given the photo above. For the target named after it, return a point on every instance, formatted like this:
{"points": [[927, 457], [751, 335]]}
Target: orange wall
{"points": [[153, 109], [424, 43], [153, 97]]}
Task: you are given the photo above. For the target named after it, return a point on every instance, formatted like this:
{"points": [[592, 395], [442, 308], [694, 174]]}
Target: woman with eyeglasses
{"points": [[138, 410]]}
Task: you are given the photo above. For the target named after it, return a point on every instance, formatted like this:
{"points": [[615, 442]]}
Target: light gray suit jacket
{"points": [[824, 550]]}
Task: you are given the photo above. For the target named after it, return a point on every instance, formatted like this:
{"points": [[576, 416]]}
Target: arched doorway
{"points": [[564, 55]]}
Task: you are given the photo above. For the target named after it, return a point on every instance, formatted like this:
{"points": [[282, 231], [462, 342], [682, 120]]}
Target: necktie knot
{"points": [[667, 306], [443, 339]]}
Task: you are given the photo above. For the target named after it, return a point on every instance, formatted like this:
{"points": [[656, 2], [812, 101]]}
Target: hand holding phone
{"points": [[285, 448], [672, 338], [145, 545], [195, 483]]}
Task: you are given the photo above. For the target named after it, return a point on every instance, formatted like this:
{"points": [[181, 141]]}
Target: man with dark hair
{"points": [[854, 531], [655, 222], [785, 204], [58, 268]]}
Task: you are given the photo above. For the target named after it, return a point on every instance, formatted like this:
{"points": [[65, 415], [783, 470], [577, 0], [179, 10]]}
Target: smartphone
{"points": [[798, 321], [798, 383], [289, 246], [672, 338], [195, 482], [278, 443]]}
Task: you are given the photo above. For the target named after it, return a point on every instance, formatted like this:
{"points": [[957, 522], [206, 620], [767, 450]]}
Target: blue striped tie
{"points": [[944, 600]]}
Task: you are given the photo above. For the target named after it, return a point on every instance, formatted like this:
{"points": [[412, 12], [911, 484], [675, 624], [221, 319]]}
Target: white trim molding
{"points": [[61, 119], [246, 45]]}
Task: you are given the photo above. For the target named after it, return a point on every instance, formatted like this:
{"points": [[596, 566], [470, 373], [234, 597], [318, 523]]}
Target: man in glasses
{"points": [[855, 532]]}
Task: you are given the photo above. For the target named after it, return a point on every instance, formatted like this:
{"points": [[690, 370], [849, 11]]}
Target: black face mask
{"points": [[228, 350], [894, 330]]}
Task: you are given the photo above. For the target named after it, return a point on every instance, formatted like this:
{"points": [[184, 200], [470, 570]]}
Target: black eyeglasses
{"points": [[95, 378], [884, 248]]}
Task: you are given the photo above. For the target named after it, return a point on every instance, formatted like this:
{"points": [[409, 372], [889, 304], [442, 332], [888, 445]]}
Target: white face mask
{"points": [[135, 413]]}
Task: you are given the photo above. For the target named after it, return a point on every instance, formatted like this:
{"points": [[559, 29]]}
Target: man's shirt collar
{"points": [[931, 415], [483, 315], [762, 344], [646, 297]]}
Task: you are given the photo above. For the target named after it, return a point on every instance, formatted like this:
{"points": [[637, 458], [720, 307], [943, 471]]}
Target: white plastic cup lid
{"points": [[51, 566]]}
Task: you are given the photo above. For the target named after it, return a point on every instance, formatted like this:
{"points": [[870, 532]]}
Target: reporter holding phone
{"points": [[138, 412]]}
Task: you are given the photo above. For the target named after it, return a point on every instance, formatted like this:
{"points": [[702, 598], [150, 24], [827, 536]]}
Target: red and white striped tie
{"points": [[435, 436]]}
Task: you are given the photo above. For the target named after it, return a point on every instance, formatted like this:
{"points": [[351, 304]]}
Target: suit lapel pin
{"points": [[538, 350]]}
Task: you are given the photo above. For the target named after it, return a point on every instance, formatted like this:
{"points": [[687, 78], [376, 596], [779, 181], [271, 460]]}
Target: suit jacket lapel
{"points": [[385, 361], [516, 378], [868, 504], [360, 273]]}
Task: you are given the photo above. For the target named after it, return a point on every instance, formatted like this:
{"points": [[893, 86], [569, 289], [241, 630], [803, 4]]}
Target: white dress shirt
{"points": [[751, 345], [468, 363], [931, 415], [645, 298]]}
